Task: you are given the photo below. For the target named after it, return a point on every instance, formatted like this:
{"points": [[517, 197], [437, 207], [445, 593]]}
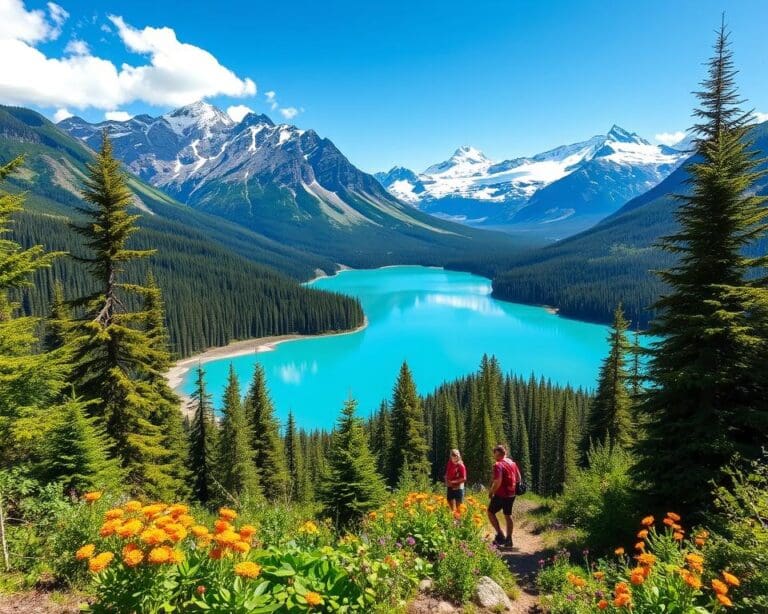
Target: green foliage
{"points": [[707, 398], [740, 543], [203, 438], [298, 478], [409, 446], [599, 498], [267, 445], [236, 471], [350, 486], [610, 418]]}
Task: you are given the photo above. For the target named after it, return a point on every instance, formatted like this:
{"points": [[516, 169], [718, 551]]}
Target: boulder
{"points": [[490, 595]]}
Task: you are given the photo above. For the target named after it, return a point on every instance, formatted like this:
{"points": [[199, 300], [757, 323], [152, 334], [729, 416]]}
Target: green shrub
{"points": [[741, 541], [599, 499]]}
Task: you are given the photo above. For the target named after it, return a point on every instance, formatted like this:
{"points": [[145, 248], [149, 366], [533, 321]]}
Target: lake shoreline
{"points": [[176, 375]]}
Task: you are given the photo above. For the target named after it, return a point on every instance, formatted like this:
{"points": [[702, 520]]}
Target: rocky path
{"points": [[523, 559]]}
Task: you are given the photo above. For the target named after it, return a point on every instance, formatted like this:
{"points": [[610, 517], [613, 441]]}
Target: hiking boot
{"points": [[508, 542], [498, 540]]}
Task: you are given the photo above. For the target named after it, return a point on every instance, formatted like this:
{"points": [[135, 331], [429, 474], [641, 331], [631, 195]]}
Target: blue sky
{"points": [[400, 82]]}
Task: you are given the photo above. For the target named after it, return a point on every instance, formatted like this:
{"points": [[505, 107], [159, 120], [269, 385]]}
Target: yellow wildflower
{"points": [[313, 599], [100, 562], [92, 497], [248, 569], [85, 552]]}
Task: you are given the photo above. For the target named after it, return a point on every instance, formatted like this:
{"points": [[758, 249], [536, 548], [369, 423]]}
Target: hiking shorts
{"points": [[503, 504], [455, 494]]}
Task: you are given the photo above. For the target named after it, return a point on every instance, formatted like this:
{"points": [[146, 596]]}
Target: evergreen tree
{"points": [[59, 319], [203, 441], [113, 355], [75, 452], [267, 445], [481, 437], [236, 470], [707, 399], [381, 438], [166, 415], [409, 446], [350, 486], [294, 457], [29, 381], [568, 452], [611, 415], [518, 431]]}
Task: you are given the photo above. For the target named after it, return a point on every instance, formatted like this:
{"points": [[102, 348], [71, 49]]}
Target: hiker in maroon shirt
{"points": [[455, 477], [506, 477]]}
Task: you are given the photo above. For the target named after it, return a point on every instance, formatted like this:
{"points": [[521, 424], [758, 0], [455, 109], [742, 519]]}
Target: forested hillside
{"points": [[212, 271], [587, 275]]}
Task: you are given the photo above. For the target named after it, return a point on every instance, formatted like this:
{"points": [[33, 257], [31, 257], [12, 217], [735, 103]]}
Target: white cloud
{"points": [[238, 112], [61, 115], [106, 28], [271, 99], [174, 74], [18, 23], [77, 47], [760, 117], [117, 116], [670, 138], [289, 112]]}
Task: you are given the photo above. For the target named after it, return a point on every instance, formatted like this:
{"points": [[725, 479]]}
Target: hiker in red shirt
{"points": [[455, 477], [506, 477]]}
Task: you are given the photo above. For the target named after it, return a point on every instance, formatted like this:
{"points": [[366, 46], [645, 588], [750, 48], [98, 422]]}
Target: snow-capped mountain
{"points": [[254, 171], [588, 180]]}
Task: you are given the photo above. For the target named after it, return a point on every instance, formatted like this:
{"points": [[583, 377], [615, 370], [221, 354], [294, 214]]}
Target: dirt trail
{"points": [[523, 559]]}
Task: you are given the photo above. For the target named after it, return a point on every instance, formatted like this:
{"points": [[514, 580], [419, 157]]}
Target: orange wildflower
{"points": [[622, 599], [598, 575], [85, 552], [115, 512], [619, 551], [151, 511], [247, 531], [691, 580], [132, 506], [248, 569], [185, 520], [731, 579], [640, 546], [176, 557], [242, 547], [678, 536], [724, 600], [227, 513], [221, 525], [602, 604], [313, 599], [621, 587], [373, 515], [153, 536], [130, 528], [719, 587], [647, 521], [669, 522], [199, 530], [673, 516], [646, 559], [132, 556], [92, 497], [160, 555], [642, 534], [109, 527], [216, 554], [100, 562], [637, 576]]}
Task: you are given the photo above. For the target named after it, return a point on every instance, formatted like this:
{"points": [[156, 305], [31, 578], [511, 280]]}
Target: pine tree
{"points": [[568, 449], [519, 446], [267, 445], [112, 354], [381, 438], [166, 415], [59, 321], [350, 486], [75, 452], [298, 484], [706, 400], [29, 381], [236, 470], [409, 446], [611, 415], [203, 441]]}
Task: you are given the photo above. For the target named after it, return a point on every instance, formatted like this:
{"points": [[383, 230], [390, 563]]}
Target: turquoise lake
{"points": [[441, 322]]}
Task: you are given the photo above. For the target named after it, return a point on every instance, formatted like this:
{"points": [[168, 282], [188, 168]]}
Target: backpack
{"points": [[520, 486]]}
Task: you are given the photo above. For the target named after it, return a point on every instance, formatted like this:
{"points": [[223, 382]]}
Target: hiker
{"points": [[455, 477], [506, 477]]}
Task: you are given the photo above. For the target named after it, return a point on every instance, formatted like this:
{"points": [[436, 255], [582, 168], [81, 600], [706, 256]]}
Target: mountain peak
{"points": [[618, 134], [200, 114], [469, 153]]}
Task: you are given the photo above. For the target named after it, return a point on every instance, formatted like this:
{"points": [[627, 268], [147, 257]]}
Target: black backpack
{"points": [[520, 486]]}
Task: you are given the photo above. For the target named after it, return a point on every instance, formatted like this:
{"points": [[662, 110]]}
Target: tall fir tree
{"points": [[29, 381], [409, 445], [236, 470], [707, 400], [203, 441], [350, 486], [568, 454], [267, 445], [611, 416], [112, 353], [381, 438], [166, 414], [298, 483]]}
